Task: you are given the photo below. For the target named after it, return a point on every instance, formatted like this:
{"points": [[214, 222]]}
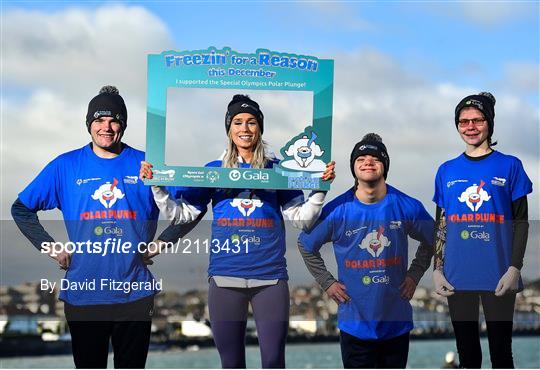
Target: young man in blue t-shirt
{"points": [[369, 226], [108, 291]]}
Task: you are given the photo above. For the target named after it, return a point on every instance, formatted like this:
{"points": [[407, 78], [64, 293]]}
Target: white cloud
{"points": [[485, 13], [522, 77], [491, 13], [75, 51], [333, 15]]}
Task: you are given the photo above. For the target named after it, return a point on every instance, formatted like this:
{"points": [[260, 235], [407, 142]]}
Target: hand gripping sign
{"points": [[304, 154]]}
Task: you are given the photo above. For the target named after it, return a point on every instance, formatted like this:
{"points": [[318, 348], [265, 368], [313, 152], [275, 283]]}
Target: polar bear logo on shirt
{"points": [[474, 196], [246, 202], [107, 194], [375, 242]]}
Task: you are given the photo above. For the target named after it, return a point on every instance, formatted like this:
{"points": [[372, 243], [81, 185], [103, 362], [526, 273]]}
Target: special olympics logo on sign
{"points": [[235, 175], [212, 176]]}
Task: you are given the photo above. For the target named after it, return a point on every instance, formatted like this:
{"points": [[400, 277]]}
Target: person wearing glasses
{"points": [[481, 234]]}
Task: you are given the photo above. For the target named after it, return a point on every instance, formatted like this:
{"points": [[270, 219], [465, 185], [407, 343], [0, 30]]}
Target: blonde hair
{"points": [[259, 160]]}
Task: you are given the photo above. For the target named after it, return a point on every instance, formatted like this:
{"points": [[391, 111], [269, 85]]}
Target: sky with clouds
{"points": [[400, 69]]}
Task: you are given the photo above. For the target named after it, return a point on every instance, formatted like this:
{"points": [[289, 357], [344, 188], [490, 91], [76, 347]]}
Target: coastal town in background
{"points": [[32, 321]]}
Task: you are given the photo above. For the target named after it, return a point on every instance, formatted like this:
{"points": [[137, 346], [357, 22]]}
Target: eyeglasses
{"points": [[478, 122]]}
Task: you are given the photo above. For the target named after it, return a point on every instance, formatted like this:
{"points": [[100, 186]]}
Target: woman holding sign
{"points": [[247, 257], [482, 228]]}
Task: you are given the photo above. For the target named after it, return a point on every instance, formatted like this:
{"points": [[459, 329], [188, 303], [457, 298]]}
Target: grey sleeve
{"points": [[317, 268], [421, 262]]}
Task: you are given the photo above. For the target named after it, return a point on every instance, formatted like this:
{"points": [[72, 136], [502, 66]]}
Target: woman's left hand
{"points": [[329, 173]]}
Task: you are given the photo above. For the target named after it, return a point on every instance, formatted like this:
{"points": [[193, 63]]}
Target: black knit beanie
{"points": [[243, 104], [371, 144], [484, 102], [108, 103]]}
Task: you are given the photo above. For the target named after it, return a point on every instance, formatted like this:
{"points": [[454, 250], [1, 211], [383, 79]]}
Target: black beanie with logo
{"points": [[484, 102], [371, 144], [108, 103], [243, 104]]}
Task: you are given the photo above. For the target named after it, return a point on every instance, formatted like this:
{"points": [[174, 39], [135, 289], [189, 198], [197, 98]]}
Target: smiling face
{"points": [[368, 168], [244, 131], [473, 134], [106, 134]]}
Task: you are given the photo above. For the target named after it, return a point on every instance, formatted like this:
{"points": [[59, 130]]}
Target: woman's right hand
{"points": [[146, 171]]}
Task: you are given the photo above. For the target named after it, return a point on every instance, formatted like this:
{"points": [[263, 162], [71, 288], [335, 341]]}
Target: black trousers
{"points": [[499, 314], [374, 354], [126, 325]]}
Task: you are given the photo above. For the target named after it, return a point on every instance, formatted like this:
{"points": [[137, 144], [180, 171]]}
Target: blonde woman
{"points": [[255, 274]]}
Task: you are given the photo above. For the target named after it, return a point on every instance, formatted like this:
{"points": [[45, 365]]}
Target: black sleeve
{"points": [[174, 232], [440, 238], [28, 222], [520, 225], [421, 262]]}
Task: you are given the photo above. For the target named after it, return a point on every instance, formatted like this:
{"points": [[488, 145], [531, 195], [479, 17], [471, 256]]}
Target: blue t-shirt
{"points": [[477, 197], [370, 245], [100, 199], [248, 231]]}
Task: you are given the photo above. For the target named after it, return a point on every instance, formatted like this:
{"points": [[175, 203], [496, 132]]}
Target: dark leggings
{"points": [[499, 313], [228, 308]]}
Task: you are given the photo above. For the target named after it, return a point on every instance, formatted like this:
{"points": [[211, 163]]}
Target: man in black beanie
{"points": [[108, 294], [369, 226], [372, 145], [106, 121]]}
